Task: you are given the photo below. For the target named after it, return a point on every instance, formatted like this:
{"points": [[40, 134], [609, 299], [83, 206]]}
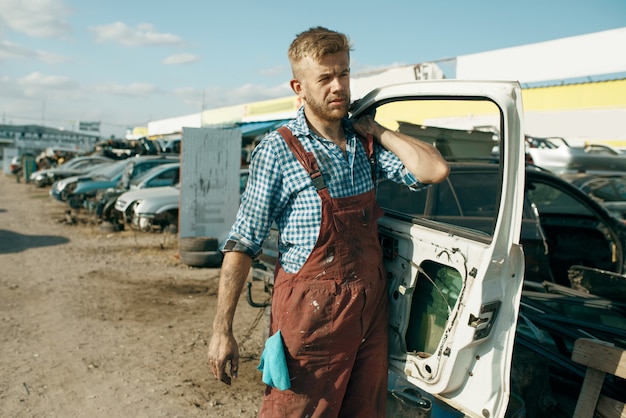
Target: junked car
{"points": [[148, 209], [74, 167], [607, 189], [167, 174], [62, 188], [80, 192], [453, 288], [556, 155], [157, 208]]}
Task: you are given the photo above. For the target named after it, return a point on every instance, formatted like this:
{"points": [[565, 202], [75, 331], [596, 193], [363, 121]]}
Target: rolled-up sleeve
{"points": [[392, 168], [259, 203]]}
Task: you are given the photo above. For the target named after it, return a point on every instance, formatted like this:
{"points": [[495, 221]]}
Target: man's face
{"points": [[324, 85]]}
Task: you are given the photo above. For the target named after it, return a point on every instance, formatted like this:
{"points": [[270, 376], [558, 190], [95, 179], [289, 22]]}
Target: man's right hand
{"points": [[223, 349]]}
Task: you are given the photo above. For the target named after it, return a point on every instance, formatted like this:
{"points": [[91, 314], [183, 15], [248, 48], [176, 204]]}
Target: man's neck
{"points": [[330, 130]]}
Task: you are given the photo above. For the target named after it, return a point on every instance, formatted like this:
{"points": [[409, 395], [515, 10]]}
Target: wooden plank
{"points": [[600, 358], [588, 398], [610, 408], [600, 355]]}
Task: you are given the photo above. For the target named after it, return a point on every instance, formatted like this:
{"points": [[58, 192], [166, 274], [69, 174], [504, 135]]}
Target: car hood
{"points": [[61, 184], [156, 195], [88, 185]]}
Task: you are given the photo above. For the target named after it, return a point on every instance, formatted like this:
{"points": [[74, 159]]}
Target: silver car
{"points": [[556, 155]]}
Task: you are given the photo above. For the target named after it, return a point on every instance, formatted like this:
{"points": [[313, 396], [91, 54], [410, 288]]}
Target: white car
{"points": [[155, 208], [148, 209]]}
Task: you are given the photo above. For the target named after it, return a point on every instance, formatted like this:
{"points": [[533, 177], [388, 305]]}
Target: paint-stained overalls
{"points": [[333, 312]]}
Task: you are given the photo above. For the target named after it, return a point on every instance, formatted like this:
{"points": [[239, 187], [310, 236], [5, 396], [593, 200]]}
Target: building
{"points": [[21, 139]]}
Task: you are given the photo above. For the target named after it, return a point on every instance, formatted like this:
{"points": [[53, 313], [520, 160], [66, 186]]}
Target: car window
{"points": [[141, 168], [464, 131], [467, 198], [552, 200], [146, 173], [166, 178], [110, 171], [607, 189]]}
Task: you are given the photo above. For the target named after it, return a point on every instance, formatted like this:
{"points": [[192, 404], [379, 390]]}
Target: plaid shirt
{"points": [[280, 190]]}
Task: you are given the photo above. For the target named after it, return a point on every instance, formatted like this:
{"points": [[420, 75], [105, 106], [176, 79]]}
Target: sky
{"points": [[124, 63]]}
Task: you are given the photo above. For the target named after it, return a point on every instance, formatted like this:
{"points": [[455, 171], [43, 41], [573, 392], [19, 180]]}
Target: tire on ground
{"points": [[109, 227], [201, 258], [195, 244]]}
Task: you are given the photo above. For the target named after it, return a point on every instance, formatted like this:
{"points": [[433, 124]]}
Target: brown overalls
{"points": [[333, 313]]}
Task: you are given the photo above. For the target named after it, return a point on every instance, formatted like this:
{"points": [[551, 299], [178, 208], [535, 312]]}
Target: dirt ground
{"points": [[96, 324]]}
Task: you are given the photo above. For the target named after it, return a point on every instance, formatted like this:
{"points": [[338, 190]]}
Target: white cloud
{"points": [[38, 18], [177, 59], [216, 97], [49, 82], [10, 50], [142, 35], [48, 88], [274, 71], [130, 90]]}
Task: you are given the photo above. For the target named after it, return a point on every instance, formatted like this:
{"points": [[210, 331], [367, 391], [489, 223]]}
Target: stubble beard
{"points": [[325, 112]]}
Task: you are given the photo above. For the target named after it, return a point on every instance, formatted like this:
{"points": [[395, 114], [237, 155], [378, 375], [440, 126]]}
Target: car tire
{"points": [[108, 227], [201, 258], [197, 244]]}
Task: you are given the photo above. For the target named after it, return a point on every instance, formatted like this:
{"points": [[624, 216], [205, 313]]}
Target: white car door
{"points": [[454, 263]]}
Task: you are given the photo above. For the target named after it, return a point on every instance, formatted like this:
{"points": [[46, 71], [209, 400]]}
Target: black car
{"points": [[561, 227]]}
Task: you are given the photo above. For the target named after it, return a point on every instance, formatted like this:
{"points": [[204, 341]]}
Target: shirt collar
{"points": [[300, 128]]}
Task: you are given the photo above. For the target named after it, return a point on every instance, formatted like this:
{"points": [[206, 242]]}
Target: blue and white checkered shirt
{"points": [[279, 189]]}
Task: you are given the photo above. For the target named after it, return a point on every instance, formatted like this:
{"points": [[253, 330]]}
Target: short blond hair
{"points": [[316, 43]]}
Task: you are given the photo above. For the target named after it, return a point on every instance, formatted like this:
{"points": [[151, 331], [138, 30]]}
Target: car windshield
{"points": [[149, 173], [611, 189], [109, 170]]}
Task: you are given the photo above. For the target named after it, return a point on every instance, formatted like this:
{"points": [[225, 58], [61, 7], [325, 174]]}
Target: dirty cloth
{"points": [[273, 363], [333, 314]]}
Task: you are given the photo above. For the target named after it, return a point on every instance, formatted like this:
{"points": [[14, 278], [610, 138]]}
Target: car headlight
{"points": [[70, 188]]}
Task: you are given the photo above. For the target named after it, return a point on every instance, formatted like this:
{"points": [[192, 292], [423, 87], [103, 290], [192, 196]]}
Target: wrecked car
{"points": [[148, 209], [74, 167], [155, 209], [558, 156], [81, 191], [607, 189], [162, 175]]}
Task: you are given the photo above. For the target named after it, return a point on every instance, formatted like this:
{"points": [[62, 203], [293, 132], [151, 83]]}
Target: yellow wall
{"points": [[596, 95]]}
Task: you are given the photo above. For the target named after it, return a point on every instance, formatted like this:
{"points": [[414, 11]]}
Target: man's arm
{"points": [[421, 158], [223, 347]]}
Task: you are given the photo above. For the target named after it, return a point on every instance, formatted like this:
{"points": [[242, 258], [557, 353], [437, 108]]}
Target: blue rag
{"points": [[274, 364]]}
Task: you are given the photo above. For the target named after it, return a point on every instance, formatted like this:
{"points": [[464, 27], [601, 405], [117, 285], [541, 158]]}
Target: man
{"points": [[314, 179]]}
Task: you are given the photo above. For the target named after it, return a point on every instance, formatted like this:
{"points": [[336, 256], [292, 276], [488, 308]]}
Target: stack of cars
{"points": [[155, 209], [163, 175], [82, 191], [73, 167]]}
